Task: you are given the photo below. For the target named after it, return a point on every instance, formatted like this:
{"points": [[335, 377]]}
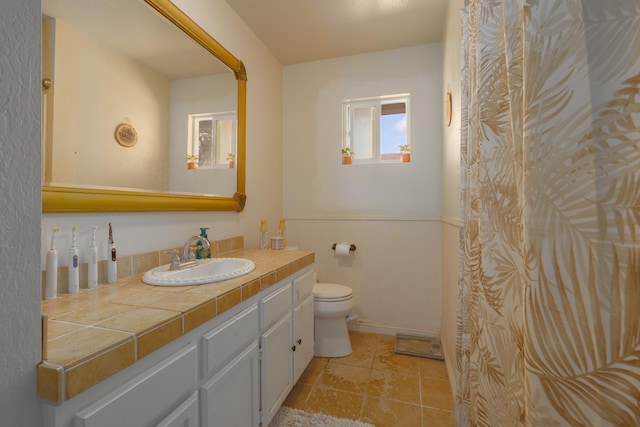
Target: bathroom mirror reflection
{"points": [[118, 118]]}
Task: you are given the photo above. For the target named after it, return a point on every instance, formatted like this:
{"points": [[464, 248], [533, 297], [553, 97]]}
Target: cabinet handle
{"points": [[299, 340], [293, 348]]}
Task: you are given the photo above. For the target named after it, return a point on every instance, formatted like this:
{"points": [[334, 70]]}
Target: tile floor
{"points": [[377, 386]]}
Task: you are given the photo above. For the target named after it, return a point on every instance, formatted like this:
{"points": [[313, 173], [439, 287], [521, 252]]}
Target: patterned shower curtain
{"points": [[549, 286]]}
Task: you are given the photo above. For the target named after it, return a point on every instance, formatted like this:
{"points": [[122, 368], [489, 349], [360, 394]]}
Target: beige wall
{"points": [[452, 60], [96, 89], [390, 212]]}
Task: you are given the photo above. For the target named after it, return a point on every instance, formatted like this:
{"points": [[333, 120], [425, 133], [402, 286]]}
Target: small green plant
{"points": [[231, 156], [405, 148], [346, 152], [192, 158]]}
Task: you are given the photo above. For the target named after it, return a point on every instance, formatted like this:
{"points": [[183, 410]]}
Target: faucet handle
{"points": [[192, 254], [175, 260]]}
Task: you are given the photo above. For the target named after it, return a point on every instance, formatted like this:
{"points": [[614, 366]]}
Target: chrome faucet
{"points": [[186, 256]]}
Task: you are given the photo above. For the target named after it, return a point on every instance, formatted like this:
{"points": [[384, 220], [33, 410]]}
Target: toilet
{"points": [[332, 303]]}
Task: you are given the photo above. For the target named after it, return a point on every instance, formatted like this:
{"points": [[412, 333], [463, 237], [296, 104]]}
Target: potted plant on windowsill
{"points": [[192, 161], [232, 162], [347, 156], [405, 153]]}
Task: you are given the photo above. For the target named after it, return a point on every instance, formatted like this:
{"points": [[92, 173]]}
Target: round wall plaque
{"points": [[126, 135]]}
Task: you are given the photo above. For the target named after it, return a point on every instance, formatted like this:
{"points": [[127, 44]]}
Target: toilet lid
{"points": [[331, 292]]}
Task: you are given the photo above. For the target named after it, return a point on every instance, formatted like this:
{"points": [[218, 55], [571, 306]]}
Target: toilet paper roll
{"points": [[343, 250]]}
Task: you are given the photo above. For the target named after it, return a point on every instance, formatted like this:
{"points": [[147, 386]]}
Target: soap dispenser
{"points": [[203, 251], [264, 234], [283, 231]]}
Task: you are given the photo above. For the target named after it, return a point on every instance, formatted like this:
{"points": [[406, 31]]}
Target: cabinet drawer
{"points": [[274, 306], [142, 401], [302, 287], [227, 340]]}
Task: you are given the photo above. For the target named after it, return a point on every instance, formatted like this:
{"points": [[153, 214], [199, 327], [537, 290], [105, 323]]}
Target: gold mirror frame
{"points": [[73, 199]]}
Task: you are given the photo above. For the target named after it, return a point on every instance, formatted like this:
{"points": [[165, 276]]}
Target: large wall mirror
{"points": [[133, 92]]}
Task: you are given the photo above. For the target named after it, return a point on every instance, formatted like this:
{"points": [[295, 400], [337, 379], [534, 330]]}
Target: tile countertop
{"points": [[98, 332]]}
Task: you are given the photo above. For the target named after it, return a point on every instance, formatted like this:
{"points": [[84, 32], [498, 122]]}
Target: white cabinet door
{"points": [[302, 336], [231, 397], [276, 370], [147, 397], [186, 415]]}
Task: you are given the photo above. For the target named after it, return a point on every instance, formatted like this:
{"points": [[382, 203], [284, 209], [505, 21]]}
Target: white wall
{"points": [[390, 211], [141, 232], [452, 60], [20, 211]]}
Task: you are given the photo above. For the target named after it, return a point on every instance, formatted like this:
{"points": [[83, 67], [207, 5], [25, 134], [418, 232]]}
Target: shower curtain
{"points": [[548, 327]]}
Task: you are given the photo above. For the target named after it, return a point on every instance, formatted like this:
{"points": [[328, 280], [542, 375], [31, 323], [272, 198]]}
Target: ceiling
{"points": [[298, 31]]}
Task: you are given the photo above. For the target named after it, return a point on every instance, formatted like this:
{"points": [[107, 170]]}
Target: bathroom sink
{"points": [[206, 271]]}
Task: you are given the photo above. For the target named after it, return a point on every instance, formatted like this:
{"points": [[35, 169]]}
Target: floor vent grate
{"points": [[419, 346]]}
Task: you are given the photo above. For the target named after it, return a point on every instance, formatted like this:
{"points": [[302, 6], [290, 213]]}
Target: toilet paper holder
{"points": [[352, 247]]}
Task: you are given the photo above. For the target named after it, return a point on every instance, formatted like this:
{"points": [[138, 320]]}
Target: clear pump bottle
{"points": [[282, 230], [264, 234]]}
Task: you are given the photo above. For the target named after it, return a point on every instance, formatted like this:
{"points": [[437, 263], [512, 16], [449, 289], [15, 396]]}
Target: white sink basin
{"points": [[207, 271]]}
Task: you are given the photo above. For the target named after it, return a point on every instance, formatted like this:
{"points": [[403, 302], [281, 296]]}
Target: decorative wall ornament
{"points": [[126, 135], [447, 108]]}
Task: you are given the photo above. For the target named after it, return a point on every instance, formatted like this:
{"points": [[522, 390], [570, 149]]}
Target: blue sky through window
{"points": [[393, 132]]}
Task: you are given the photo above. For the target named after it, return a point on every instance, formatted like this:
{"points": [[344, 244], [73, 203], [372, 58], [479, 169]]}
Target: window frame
{"points": [[374, 102], [193, 148]]}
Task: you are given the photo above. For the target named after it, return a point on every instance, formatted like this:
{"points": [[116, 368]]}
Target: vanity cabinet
{"points": [[186, 415], [231, 354], [144, 400], [233, 371], [302, 322], [303, 336]]}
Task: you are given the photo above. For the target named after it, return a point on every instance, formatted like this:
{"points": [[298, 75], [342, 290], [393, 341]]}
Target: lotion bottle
{"points": [[74, 277], [264, 234], [51, 279], [283, 231], [112, 266], [93, 260]]}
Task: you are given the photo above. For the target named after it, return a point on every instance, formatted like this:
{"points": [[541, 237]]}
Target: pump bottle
{"points": [[264, 234]]}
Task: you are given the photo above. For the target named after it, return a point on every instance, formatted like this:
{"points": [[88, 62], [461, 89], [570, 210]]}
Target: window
{"points": [[375, 128], [212, 139]]}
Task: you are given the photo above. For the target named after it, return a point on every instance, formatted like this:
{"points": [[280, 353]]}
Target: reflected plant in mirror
{"points": [[151, 64]]}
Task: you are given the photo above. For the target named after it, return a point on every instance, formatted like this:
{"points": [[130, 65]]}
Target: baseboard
{"points": [[376, 328]]}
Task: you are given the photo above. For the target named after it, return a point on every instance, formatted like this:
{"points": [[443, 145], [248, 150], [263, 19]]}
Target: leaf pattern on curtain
{"points": [[549, 282]]}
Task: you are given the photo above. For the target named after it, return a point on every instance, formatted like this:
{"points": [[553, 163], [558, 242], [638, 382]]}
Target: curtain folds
{"points": [[549, 278]]}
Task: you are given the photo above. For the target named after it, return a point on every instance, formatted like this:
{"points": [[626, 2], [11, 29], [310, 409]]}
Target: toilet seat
{"points": [[331, 292]]}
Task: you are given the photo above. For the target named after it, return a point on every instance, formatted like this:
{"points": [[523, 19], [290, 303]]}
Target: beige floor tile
{"points": [[390, 413], [436, 394], [395, 384], [314, 370], [337, 403], [364, 350], [377, 386], [298, 396], [438, 418], [391, 360], [432, 368], [346, 377]]}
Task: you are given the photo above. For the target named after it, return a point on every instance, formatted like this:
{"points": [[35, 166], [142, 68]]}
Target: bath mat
{"points": [[289, 417], [419, 346]]}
